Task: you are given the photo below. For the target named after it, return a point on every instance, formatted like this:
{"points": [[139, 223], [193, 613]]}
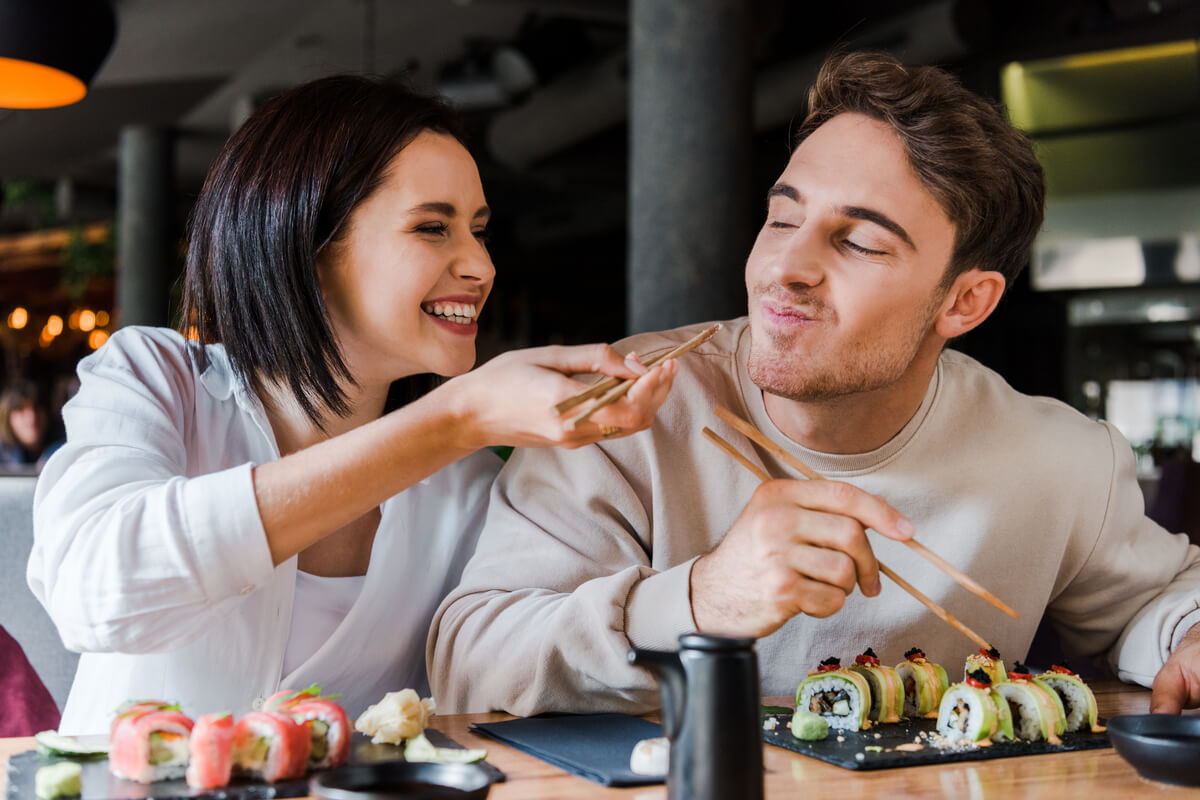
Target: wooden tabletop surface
{"points": [[1079, 775]]}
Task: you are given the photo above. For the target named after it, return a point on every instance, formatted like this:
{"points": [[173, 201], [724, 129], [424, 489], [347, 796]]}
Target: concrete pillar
{"points": [[690, 212], [145, 266]]}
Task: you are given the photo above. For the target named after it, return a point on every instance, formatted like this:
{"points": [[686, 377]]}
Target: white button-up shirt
{"points": [[150, 556]]}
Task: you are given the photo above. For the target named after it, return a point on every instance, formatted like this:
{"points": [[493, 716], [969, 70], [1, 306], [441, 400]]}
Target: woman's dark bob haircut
{"points": [[280, 192]]}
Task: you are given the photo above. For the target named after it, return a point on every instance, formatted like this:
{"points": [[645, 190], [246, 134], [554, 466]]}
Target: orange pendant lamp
{"points": [[51, 49]]}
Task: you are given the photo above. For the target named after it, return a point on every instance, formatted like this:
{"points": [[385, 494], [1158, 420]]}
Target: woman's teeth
{"points": [[455, 312]]}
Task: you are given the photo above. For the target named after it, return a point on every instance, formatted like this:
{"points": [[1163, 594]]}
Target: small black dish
{"points": [[391, 780], [1161, 747]]}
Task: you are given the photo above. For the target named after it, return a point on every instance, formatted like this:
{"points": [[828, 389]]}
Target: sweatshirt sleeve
{"points": [[559, 589], [1138, 592], [130, 554]]}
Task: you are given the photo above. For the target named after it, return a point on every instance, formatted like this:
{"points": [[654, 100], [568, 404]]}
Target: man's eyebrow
{"points": [[882, 220], [783, 190], [448, 210]]}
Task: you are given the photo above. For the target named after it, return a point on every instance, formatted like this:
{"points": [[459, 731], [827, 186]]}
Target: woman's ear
{"points": [[970, 301]]}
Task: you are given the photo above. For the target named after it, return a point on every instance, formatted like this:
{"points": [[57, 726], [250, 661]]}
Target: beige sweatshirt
{"points": [[586, 553]]}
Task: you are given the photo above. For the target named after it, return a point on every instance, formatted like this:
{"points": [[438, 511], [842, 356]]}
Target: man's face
{"points": [[844, 276]]}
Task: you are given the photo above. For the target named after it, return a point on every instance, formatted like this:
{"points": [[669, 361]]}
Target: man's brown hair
{"points": [[980, 169]]}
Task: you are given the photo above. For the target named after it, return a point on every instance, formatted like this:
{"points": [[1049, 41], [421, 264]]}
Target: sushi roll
{"points": [[972, 711], [989, 661], [149, 745], [212, 752], [1037, 713], [270, 745], [887, 692], [1078, 701], [924, 684], [328, 730], [842, 697], [281, 700]]}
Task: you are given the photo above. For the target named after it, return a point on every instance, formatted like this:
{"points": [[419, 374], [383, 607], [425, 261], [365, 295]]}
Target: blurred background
{"points": [[626, 147]]}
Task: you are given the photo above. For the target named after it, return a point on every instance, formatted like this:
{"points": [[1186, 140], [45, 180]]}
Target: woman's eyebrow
{"points": [[448, 210]]}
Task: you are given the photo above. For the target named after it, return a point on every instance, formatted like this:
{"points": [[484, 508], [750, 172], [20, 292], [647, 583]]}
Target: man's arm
{"points": [[1137, 595], [539, 619]]}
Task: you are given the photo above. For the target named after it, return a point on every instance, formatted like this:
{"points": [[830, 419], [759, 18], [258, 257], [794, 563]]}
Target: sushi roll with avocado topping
{"points": [[924, 684], [1077, 699], [972, 711], [842, 697], [988, 660], [1037, 713], [887, 692]]}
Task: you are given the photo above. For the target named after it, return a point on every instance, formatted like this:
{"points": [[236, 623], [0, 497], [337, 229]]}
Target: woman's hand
{"points": [[510, 400]]}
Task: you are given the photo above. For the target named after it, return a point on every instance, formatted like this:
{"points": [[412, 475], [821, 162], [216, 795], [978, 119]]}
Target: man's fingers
{"points": [[830, 531], [1169, 692], [832, 567], [848, 500]]}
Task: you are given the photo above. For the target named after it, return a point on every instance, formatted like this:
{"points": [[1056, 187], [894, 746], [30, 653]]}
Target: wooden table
{"points": [[1081, 775]]}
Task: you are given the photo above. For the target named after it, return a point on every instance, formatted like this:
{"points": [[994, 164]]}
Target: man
{"points": [[906, 208]]}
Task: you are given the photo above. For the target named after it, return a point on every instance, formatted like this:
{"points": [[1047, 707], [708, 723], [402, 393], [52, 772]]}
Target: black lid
{"points": [[705, 641]]}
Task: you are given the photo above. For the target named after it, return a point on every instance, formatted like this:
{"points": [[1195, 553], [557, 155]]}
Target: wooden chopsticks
{"points": [[903, 584], [964, 580], [609, 390]]}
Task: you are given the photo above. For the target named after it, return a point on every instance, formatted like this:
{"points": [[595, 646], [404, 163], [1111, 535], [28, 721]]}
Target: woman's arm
{"points": [[305, 496]]}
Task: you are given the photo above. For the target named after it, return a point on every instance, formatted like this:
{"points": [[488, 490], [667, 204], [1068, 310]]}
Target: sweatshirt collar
{"points": [[830, 464]]}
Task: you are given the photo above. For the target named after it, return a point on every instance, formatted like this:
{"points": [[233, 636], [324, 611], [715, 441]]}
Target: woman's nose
{"points": [[474, 264]]}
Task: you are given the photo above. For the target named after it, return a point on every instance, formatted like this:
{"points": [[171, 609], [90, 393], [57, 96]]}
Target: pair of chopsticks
{"points": [[608, 390], [755, 435]]}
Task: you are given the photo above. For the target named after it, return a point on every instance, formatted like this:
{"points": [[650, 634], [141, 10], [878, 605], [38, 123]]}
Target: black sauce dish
{"points": [[400, 779], [1161, 747]]}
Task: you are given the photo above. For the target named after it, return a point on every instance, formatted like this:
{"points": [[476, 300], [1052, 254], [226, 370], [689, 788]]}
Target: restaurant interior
{"points": [[592, 235], [1107, 318]]}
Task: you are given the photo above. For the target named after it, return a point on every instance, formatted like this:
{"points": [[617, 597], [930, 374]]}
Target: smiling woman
{"points": [[282, 493]]}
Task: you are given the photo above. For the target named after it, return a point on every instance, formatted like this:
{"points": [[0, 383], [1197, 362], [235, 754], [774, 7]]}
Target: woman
{"points": [[287, 504], [22, 425]]}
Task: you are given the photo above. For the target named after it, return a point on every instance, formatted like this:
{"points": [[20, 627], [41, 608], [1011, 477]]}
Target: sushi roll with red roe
{"points": [[988, 660], [270, 745], [1079, 703], [842, 697], [1037, 713], [973, 711], [212, 752], [887, 691], [149, 744], [328, 730], [924, 684]]}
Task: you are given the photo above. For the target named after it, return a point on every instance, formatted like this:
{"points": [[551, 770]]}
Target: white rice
{"points": [[832, 686]]}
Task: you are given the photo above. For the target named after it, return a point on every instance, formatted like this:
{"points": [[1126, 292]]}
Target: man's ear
{"points": [[970, 301]]}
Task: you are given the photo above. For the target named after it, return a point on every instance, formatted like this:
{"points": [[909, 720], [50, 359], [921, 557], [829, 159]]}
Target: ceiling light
{"points": [[51, 49]]}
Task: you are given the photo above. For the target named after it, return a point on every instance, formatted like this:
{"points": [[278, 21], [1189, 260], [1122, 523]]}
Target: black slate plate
{"points": [[846, 753], [98, 784]]}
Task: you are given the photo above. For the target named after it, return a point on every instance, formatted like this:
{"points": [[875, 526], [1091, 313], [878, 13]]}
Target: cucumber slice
{"points": [[419, 748], [51, 744]]}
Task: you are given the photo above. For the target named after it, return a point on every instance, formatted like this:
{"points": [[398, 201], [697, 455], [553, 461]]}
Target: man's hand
{"points": [[1177, 684], [798, 547]]}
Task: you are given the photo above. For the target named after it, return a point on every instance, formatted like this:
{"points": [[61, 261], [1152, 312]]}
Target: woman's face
{"points": [[406, 283], [28, 425]]}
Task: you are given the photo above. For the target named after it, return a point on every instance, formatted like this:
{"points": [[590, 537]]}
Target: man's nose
{"points": [[800, 259]]}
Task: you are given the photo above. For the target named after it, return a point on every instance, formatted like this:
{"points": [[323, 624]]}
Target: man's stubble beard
{"points": [[866, 366]]}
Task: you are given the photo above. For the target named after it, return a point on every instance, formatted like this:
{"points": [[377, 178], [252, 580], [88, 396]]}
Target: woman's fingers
{"points": [[588, 358]]}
